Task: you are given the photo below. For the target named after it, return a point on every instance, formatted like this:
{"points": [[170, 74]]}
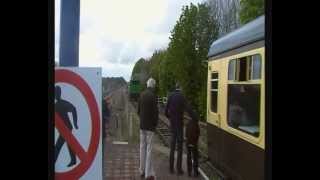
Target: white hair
{"points": [[151, 83]]}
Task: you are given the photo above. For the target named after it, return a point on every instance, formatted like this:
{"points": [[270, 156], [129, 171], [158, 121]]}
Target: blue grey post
{"points": [[69, 33]]}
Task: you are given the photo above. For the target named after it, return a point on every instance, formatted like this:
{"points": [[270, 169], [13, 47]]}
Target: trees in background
{"points": [[226, 14], [251, 9], [184, 61], [190, 41], [231, 14]]}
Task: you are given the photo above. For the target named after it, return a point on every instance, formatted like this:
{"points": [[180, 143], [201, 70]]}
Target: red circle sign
{"points": [[86, 157]]}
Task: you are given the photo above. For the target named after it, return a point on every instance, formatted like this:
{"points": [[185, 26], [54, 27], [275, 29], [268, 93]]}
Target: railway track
{"points": [[164, 132]]}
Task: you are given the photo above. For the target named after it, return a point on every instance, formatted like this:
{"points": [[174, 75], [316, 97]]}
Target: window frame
{"points": [[227, 110], [214, 90], [248, 81], [234, 71], [249, 70], [252, 67]]}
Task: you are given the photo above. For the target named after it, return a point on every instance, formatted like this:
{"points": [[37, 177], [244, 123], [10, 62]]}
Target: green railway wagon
{"points": [[134, 89]]}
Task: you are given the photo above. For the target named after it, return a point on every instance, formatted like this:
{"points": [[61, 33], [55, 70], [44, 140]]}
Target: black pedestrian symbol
{"points": [[62, 107]]}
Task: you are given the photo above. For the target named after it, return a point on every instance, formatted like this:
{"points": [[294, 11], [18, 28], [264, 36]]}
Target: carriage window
{"points": [[214, 85], [231, 70], [244, 107], [214, 76], [256, 66], [214, 91], [245, 68]]}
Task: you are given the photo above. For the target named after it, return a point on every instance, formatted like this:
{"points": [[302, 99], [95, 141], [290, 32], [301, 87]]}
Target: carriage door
{"points": [[214, 117]]}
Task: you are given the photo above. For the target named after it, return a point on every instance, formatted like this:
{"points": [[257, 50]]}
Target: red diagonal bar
{"points": [[69, 137]]}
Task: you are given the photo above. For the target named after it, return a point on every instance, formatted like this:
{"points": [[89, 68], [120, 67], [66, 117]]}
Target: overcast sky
{"points": [[114, 34]]}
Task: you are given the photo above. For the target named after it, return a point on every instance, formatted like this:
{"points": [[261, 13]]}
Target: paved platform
{"points": [[121, 162]]}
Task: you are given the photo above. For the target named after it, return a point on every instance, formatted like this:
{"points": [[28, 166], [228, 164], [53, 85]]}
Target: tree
{"points": [[137, 68], [226, 13], [188, 48], [154, 62], [207, 32], [166, 75], [141, 72], [250, 9]]}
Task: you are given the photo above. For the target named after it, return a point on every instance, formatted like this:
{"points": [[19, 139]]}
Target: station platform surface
{"points": [[121, 162]]}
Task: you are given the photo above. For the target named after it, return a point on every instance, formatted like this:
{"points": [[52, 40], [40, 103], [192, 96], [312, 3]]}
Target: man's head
{"points": [[57, 92], [151, 83]]}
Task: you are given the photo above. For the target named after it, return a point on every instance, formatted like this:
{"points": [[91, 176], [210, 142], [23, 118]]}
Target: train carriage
{"points": [[236, 102]]}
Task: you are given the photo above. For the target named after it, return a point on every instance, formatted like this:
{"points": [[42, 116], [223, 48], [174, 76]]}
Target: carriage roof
{"points": [[247, 34]]}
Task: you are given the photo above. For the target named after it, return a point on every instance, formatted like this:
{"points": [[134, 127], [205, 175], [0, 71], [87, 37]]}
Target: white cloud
{"points": [[116, 33]]}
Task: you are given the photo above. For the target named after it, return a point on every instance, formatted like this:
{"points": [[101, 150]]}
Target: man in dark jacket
{"points": [[148, 113], [175, 108]]}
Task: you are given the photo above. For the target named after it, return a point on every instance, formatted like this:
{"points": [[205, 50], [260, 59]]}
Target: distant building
{"points": [[110, 84]]}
